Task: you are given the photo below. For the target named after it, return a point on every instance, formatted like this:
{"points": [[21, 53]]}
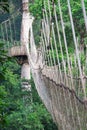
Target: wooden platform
{"points": [[17, 51]]}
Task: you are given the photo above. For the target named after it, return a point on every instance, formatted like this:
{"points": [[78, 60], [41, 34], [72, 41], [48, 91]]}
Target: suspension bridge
{"points": [[61, 81]]}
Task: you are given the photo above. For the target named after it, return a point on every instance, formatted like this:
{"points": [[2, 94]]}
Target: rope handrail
{"points": [[69, 76], [12, 16], [83, 102], [60, 76]]}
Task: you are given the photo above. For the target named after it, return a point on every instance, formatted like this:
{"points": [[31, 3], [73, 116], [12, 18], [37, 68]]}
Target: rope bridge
{"points": [[59, 73]]}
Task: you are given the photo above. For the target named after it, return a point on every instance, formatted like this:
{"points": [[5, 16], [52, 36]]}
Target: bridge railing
{"points": [[64, 37], [10, 30]]}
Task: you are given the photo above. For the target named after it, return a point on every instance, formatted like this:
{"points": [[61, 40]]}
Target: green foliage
{"points": [[16, 109], [35, 8], [3, 59], [4, 6], [20, 113], [17, 112]]}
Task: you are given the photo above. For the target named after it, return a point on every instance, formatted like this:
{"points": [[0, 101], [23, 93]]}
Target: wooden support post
{"points": [[25, 74], [25, 25]]}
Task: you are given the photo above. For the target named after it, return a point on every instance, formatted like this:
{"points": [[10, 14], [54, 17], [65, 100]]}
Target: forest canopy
{"points": [[21, 109]]}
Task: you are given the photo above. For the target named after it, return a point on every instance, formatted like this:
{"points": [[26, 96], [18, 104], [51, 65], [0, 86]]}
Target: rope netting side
{"points": [[10, 31], [75, 120], [57, 52], [64, 72]]}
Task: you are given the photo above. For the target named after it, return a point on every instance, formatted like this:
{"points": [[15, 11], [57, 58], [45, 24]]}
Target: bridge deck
{"points": [[17, 51]]}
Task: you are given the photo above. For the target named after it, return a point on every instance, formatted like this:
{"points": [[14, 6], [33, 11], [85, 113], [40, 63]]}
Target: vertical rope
{"points": [[49, 10], [84, 13], [78, 59], [43, 27], [60, 43], [65, 42], [7, 37], [47, 28], [66, 107], [6, 31], [77, 52], [3, 35], [57, 53], [14, 29], [43, 48], [2, 32], [11, 39]]}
